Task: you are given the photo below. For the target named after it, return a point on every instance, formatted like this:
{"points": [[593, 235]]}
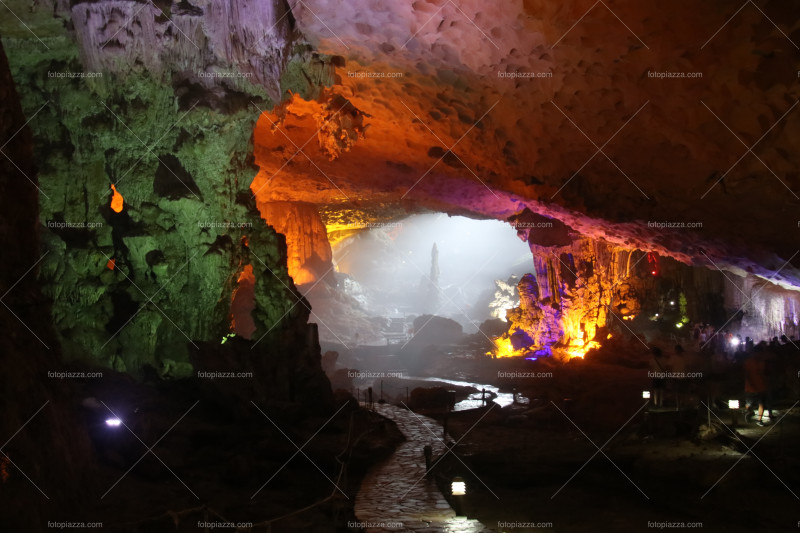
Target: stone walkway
{"points": [[396, 496]]}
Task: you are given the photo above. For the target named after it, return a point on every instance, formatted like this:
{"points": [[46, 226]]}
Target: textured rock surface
{"points": [[309, 252], [37, 410], [212, 47], [152, 284], [505, 297], [579, 293], [424, 105], [535, 134]]}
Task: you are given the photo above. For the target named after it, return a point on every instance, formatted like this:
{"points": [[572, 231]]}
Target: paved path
{"points": [[397, 494]]}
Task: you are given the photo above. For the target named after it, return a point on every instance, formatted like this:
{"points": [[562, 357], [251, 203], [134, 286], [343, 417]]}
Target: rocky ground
{"points": [[524, 473], [537, 465], [213, 461]]}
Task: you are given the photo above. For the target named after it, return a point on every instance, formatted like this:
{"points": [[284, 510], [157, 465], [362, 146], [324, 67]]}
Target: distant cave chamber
{"points": [[553, 300]]}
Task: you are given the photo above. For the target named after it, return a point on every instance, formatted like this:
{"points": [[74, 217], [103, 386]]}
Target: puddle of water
{"points": [[474, 401]]}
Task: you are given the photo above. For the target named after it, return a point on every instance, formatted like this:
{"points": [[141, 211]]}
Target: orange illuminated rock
{"points": [[116, 200], [500, 119], [243, 303], [309, 253], [504, 348], [112, 263]]}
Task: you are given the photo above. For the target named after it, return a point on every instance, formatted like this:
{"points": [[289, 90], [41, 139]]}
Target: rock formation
{"points": [[536, 112], [505, 297], [309, 252], [149, 283], [35, 479], [429, 285]]}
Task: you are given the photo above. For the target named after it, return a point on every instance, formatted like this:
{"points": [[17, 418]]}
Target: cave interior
{"points": [[399, 266]]}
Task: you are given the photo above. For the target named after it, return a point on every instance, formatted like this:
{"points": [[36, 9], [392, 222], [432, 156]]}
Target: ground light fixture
{"points": [[646, 394], [113, 422], [733, 405], [458, 487]]}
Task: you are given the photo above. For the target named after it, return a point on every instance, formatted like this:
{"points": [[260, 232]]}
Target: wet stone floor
{"points": [[396, 496]]}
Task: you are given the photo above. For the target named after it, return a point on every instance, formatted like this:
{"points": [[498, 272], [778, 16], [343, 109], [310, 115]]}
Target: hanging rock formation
{"points": [[309, 251]]}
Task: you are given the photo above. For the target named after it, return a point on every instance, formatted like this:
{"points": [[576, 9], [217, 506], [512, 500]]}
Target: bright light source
{"points": [[646, 394], [458, 487], [735, 341], [679, 325], [113, 422], [733, 404], [656, 314], [672, 302]]}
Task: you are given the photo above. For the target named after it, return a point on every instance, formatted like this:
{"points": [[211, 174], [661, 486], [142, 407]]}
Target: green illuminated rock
{"points": [[151, 286]]}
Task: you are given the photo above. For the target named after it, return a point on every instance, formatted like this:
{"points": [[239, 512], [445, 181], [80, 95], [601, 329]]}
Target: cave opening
{"points": [[409, 285], [386, 275]]}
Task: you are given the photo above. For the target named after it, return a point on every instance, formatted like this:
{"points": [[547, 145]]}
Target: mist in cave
{"points": [[391, 272]]}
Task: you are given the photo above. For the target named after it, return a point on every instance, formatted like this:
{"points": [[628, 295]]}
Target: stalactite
{"points": [[581, 289]]}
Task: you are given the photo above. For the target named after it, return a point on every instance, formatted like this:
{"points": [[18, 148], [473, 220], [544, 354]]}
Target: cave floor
{"points": [[537, 468], [397, 496], [185, 458], [638, 479], [588, 452]]}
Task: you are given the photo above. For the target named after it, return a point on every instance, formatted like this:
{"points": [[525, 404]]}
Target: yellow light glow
{"points": [[574, 343], [302, 275], [576, 350], [504, 348], [577, 330], [338, 232]]}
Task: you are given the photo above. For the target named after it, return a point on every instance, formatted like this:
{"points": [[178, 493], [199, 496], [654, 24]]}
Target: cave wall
{"points": [[188, 81], [309, 251], [579, 293], [151, 285], [187, 44], [762, 309], [566, 300], [46, 452]]}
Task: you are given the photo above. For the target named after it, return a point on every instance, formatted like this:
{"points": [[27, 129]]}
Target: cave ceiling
{"points": [[486, 108], [590, 136]]}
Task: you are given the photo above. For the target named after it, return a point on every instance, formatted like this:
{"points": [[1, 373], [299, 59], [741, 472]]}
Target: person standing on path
{"points": [[755, 383]]}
